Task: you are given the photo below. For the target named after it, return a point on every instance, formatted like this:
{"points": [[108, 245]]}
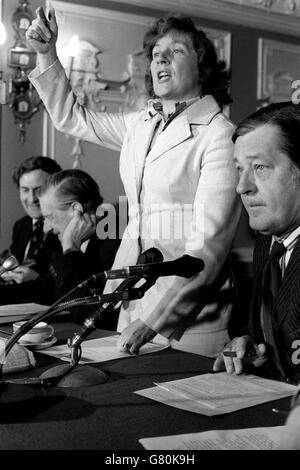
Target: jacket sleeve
{"points": [[68, 116], [71, 268]]}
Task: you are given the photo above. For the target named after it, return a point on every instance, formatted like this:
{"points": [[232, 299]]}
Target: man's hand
{"points": [[80, 228], [42, 34], [242, 351], [20, 274], [135, 336]]}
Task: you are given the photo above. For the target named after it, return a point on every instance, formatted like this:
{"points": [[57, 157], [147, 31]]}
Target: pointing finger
{"points": [[40, 13]]}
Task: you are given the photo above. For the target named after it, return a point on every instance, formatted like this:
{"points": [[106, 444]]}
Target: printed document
{"points": [[267, 438], [99, 350], [219, 393]]}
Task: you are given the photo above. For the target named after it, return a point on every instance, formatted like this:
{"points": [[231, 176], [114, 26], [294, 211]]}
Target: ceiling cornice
{"points": [[273, 15]]}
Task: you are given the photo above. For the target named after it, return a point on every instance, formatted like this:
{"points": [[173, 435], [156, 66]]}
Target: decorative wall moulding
{"points": [[281, 16], [285, 7]]}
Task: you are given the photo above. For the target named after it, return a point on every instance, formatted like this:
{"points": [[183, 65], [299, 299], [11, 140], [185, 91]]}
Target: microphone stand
{"points": [[75, 375], [16, 390]]}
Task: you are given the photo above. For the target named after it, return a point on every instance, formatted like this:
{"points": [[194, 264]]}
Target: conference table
{"points": [[110, 416]]}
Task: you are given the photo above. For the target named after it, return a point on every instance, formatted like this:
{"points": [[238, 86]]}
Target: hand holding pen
{"points": [[238, 353]]}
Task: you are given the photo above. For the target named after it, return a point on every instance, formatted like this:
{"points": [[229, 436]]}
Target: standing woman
{"points": [[175, 163]]}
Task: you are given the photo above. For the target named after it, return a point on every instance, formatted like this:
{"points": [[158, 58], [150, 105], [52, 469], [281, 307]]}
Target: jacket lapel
{"points": [[179, 130], [23, 238], [142, 138], [172, 136], [286, 288]]}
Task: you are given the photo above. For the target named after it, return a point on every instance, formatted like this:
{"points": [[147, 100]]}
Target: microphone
{"points": [[9, 264], [185, 266], [84, 376], [91, 323]]}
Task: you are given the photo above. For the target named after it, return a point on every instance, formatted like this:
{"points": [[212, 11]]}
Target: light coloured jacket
{"points": [[181, 195]]}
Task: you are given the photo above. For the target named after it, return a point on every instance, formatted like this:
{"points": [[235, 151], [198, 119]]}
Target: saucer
{"points": [[43, 345]]}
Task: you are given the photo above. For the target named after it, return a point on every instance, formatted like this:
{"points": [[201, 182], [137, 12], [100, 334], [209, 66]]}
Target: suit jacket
{"points": [[39, 290], [22, 231], [188, 178], [286, 310], [73, 267]]}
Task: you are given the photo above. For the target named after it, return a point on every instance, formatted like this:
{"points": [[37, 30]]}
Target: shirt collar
{"points": [[34, 221], [289, 239], [154, 106], [199, 111]]}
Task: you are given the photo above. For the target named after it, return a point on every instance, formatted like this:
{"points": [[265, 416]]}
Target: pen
{"points": [[162, 386], [229, 353], [280, 412], [248, 355]]}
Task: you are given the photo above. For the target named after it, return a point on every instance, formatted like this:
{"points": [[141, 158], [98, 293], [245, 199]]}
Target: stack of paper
{"points": [[233, 439], [18, 312], [215, 394]]}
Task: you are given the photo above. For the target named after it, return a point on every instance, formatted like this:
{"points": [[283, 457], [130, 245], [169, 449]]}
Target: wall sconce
{"points": [[19, 94]]}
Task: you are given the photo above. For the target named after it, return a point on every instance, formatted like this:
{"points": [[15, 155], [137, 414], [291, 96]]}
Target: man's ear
{"points": [[77, 206]]}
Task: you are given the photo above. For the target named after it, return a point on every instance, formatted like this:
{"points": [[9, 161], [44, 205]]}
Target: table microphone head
{"points": [[9, 264]]}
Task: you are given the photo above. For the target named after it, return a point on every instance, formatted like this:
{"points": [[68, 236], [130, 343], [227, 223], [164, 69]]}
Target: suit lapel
{"points": [[260, 256], [142, 138], [24, 237], [172, 136], [179, 130], [285, 291]]}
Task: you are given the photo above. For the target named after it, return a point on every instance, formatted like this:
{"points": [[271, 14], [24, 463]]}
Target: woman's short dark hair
{"points": [[286, 116], [75, 186], [213, 77], [46, 164]]}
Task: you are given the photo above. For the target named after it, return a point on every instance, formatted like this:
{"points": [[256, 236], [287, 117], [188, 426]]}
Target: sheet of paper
{"points": [[214, 394], [99, 350], [15, 312], [267, 438]]}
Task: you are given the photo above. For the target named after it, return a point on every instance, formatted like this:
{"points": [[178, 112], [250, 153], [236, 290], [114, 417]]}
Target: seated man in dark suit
{"points": [[267, 156], [33, 249], [69, 202]]}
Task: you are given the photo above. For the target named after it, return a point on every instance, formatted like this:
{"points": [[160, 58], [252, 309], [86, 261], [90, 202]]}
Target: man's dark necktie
{"points": [[271, 280], [36, 240]]}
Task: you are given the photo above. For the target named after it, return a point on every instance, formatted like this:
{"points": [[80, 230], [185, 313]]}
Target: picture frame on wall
{"points": [[278, 68]]}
